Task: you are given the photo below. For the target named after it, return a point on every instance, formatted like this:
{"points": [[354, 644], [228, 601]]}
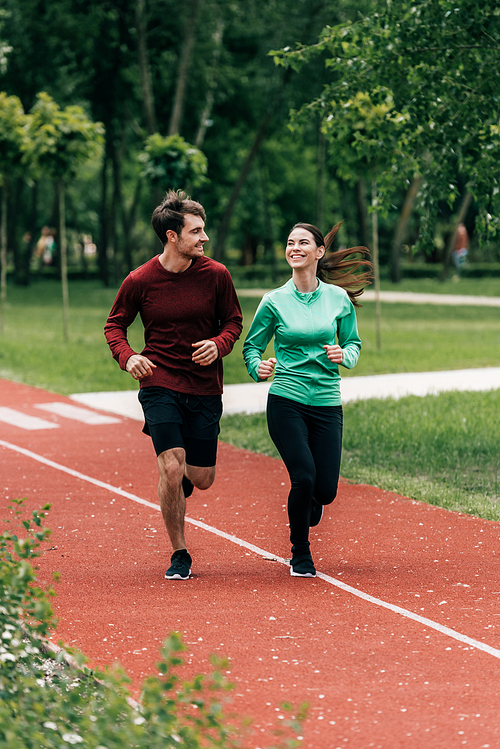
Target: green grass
{"points": [[33, 350], [414, 338], [428, 338], [439, 449], [469, 286], [420, 447]]}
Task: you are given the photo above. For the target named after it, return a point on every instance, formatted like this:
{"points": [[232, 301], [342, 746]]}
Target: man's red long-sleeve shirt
{"points": [[177, 310]]}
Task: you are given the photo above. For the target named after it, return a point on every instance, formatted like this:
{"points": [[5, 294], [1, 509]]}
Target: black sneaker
{"points": [[187, 486], [316, 513], [180, 565], [302, 565]]}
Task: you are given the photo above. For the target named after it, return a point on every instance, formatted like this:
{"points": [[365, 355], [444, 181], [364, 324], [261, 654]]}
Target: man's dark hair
{"points": [[169, 215]]}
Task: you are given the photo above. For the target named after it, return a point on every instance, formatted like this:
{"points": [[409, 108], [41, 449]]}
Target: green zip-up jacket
{"points": [[301, 325]]}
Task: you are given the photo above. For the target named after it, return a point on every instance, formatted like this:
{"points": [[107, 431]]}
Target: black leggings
{"points": [[309, 440]]}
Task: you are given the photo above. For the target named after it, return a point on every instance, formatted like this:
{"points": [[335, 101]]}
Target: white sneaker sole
{"points": [[177, 576], [299, 574]]}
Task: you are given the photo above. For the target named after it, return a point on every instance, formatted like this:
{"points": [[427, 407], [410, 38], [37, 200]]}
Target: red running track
{"points": [[395, 644]]}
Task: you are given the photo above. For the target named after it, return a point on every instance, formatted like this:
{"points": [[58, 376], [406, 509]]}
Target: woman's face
{"points": [[301, 250]]}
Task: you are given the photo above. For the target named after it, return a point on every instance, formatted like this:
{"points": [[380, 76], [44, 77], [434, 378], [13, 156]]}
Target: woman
{"points": [[304, 413]]}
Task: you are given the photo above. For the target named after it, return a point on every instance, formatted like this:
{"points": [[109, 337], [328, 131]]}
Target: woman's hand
{"points": [[266, 368], [335, 354]]}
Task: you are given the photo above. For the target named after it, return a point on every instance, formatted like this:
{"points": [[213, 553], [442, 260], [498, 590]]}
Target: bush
{"points": [[45, 707]]}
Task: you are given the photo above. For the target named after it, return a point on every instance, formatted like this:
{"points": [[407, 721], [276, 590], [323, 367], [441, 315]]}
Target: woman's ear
{"points": [[321, 252]]}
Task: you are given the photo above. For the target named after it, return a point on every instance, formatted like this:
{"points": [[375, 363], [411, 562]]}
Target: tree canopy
{"points": [[434, 65], [404, 91]]}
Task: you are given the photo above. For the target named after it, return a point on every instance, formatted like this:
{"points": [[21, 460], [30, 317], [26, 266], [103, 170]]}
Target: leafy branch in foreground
{"points": [[44, 707]]}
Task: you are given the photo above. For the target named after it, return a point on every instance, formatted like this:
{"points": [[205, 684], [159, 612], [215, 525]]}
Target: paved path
{"points": [[251, 397], [395, 645], [409, 297]]}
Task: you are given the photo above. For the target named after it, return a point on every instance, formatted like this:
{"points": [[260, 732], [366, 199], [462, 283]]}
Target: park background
{"points": [[382, 114]]}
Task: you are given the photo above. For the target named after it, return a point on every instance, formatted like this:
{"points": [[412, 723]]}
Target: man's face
{"points": [[192, 237]]}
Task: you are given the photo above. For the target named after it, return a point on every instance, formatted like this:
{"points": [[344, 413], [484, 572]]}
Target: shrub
{"points": [[54, 706]]}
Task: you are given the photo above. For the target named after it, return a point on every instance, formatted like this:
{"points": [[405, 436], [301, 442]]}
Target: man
{"points": [[191, 319]]}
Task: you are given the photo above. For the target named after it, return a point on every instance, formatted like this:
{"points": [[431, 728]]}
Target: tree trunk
{"points": [[212, 84], [320, 190], [22, 246], [102, 249], [402, 226], [460, 218], [184, 65], [144, 69], [123, 262], [375, 260], [3, 260], [63, 249], [269, 249], [223, 229], [362, 212], [128, 223]]}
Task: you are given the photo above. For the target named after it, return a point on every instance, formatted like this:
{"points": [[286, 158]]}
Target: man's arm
{"points": [[229, 314], [122, 315]]}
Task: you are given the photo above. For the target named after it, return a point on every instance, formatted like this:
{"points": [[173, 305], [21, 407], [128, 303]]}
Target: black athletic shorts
{"points": [[175, 419]]}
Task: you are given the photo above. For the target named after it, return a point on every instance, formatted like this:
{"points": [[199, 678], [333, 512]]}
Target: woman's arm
{"points": [[348, 338], [260, 333]]}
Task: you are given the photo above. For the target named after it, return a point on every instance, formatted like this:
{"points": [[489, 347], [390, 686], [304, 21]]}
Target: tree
{"points": [[124, 61], [59, 141], [439, 60], [171, 163], [364, 133], [12, 137]]}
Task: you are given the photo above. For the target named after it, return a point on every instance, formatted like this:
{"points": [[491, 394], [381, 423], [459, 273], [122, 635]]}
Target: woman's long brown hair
{"points": [[342, 267]]}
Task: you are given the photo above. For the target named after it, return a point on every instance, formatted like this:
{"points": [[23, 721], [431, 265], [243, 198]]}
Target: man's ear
{"points": [[171, 236]]}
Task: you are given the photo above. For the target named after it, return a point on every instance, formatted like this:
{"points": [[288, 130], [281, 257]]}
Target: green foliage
{"points": [[437, 61], [4, 47], [17, 576], [172, 163], [364, 132], [60, 140], [12, 135], [51, 708]]}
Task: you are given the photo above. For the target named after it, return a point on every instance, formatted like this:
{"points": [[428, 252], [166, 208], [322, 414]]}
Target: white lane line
{"points": [[84, 415], [262, 552], [23, 421]]}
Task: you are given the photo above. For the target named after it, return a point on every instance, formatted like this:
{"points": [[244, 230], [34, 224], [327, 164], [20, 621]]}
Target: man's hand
{"points": [[334, 353], [139, 366], [266, 368], [206, 353]]}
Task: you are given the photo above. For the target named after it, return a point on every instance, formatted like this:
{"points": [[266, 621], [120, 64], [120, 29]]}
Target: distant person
{"points": [[192, 318], [313, 321], [45, 247], [461, 247]]}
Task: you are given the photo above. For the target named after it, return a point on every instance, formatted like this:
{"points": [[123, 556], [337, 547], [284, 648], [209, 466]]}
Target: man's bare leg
{"points": [[201, 476], [172, 467]]}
